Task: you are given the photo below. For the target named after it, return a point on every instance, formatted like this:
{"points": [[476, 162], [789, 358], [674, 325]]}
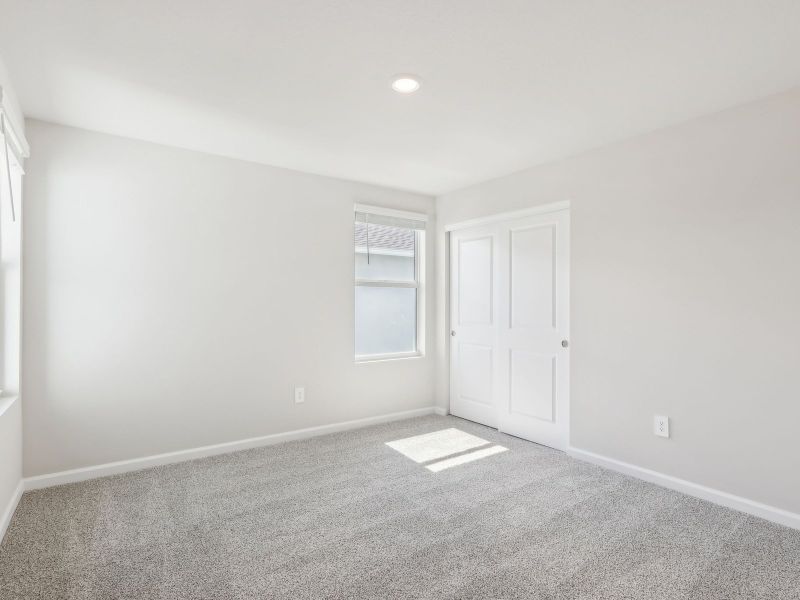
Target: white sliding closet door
{"points": [[473, 345], [533, 302], [518, 284]]}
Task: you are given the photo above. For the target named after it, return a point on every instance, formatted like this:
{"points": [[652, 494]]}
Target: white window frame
{"points": [[418, 284], [14, 150]]}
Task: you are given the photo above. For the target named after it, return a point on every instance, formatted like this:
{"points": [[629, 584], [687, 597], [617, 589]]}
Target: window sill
{"points": [[387, 357]]}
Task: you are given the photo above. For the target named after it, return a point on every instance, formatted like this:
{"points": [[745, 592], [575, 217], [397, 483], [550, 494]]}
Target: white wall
{"points": [[685, 295], [174, 299]]}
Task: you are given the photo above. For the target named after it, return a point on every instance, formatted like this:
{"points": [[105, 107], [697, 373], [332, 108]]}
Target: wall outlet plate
{"points": [[299, 395], [661, 426]]}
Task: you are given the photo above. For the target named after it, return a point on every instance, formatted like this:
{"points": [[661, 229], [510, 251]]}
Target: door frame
{"points": [[507, 216], [485, 220]]}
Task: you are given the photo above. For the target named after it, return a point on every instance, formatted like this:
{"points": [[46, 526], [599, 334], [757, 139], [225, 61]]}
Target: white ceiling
{"points": [[304, 84]]}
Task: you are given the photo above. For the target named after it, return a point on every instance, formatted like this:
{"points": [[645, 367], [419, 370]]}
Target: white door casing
{"points": [[530, 301]]}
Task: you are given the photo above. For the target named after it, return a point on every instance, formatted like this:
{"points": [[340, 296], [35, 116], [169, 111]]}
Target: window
{"points": [[12, 150], [389, 268]]}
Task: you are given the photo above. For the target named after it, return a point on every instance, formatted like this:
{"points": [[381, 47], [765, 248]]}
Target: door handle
{"points": [[453, 332], [564, 344]]}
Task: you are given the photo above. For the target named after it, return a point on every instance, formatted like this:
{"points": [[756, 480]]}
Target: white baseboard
{"points": [[10, 508], [440, 411], [771, 513], [137, 464]]}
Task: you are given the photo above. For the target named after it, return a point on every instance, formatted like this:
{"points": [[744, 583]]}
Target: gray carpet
{"points": [[346, 516]]}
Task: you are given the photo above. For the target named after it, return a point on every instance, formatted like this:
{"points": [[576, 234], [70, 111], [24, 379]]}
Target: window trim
{"points": [[15, 139], [368, 358], [386, 283], [418, 284], [390, 212]]}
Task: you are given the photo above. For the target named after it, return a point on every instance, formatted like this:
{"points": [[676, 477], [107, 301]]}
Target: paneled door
{"points": [[525, 330], [473, 341], [533, 307]]}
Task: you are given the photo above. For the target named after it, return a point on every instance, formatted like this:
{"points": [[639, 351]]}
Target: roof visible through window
{"points": [[396, 240]]}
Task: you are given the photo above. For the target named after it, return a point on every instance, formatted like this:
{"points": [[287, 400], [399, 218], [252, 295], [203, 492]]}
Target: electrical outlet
{"points": [[299, 395], [661, 426]]}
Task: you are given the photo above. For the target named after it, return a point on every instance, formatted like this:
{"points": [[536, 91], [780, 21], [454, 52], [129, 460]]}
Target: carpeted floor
{"points": [[347, 516]]}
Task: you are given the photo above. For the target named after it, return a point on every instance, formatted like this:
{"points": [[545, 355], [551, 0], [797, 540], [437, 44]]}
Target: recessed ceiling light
{"points": [[405, 84]]}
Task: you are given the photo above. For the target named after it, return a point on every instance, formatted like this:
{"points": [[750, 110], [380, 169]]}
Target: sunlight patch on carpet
{"points": [[447, 447], [438, 444], [465, 458]]}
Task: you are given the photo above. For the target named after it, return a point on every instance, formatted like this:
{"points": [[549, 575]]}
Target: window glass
{"points": [[384, 252], [386, 320]]}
